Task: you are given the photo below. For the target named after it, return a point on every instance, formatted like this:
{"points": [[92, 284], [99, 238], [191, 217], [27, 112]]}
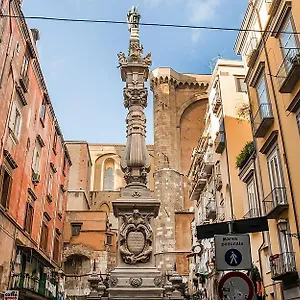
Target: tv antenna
{"points": [[212, 62]]}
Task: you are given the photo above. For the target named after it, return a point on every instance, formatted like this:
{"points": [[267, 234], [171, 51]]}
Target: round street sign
{"points": [[236, 285]]}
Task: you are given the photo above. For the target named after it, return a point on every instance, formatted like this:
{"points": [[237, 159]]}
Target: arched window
{"points": [[108, 179]]}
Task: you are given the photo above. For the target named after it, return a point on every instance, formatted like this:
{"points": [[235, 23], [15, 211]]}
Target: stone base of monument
{"points": [[135, 277], [136, 283]]}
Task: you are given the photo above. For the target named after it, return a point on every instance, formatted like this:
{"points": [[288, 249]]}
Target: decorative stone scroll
{"points": [[136, 237]]}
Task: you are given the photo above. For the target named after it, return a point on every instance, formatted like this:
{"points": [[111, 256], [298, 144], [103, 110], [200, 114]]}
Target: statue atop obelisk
{"points": [[135, 276]]}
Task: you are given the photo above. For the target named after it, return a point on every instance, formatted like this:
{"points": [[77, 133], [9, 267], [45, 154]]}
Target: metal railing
{"points": [[252, 213], [217, 102], [292, 57], [34, 284], [264, 112], [276, 197], [24, 82], [283, 263]]}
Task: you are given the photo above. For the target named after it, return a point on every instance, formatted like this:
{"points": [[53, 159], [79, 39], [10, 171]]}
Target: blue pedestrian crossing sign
{"points": [[233, 257], [233, 252]]}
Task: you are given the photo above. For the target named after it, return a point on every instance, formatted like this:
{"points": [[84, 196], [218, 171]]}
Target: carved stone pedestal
{"points": [[136, 276]]}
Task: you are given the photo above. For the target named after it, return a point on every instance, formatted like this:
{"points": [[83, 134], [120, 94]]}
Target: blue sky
{"points": [[79, 59]]}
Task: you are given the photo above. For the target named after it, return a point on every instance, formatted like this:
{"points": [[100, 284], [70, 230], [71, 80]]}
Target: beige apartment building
{"points": [[270, 50], [215, 187]]}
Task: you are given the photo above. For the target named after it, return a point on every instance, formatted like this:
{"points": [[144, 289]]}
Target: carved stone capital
{"points": [[135, 97]]}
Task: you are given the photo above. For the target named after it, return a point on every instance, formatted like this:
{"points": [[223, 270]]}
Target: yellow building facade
{"points": [[269, 45]]}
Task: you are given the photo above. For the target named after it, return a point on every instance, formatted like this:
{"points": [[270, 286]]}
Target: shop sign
{"points": [[11, 295]]}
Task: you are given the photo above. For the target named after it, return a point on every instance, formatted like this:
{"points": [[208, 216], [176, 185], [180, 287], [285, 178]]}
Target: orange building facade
{"points": [[34, 166]]}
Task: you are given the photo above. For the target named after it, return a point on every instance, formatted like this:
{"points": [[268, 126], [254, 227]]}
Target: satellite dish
{"points": [[184, 280], [87, 291]]}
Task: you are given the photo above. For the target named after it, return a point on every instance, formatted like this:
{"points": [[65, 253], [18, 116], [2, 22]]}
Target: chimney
{"points": [[36, 34]]}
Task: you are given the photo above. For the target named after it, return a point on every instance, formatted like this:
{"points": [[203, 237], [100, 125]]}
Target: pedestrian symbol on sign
{"points": [[233, 257]]}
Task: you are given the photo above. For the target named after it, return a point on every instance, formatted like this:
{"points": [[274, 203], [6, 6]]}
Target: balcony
{"points": [[283, 266], [208, 160], [272, 6], [251, 57], [263, 120], [217, 102], [289, 71], [32, 287], [211, 210], [252, 213], [275, 203], [198, 186], [24, 82], [220, 142]]}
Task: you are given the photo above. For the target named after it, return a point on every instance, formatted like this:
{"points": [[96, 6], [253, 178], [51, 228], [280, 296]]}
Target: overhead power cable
{"points": [[142, 24]]}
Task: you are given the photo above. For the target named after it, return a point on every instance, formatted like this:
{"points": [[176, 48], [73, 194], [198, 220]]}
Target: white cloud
{"points": [[202, 10], [197, 12], [196, 35]]}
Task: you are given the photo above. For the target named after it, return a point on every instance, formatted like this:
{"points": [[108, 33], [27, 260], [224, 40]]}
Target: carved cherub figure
{"points": [[122, 58]]}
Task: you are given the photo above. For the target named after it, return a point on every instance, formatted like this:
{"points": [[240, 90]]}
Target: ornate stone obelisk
{"points": [[135, 276]]}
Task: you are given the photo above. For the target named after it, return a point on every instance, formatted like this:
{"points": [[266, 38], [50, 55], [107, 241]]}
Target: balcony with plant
{"points": [[289, 71], [245, 155]]}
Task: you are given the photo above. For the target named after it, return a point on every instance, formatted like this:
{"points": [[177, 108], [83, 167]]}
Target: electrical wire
{"points": [[144, 24]]}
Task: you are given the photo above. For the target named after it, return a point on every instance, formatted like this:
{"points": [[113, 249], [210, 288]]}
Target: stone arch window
{"points": [[109, 175], [77, 264]]}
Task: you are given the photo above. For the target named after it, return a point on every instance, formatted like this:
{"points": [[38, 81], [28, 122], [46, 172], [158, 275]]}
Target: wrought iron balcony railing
{"points": [[289, 71], [263, 119], [217, 102], [24, 82], [275, 203], [252, 213], [283, 266]]}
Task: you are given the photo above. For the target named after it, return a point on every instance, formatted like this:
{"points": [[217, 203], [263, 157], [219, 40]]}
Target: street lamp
{"points": [[282, 225]]}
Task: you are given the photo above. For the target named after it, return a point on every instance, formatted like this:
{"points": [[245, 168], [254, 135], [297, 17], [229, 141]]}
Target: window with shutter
{"points": [[44, 237], [50, 182], [56, 248], [25, 65], [43, 112], [36, 158], [15, 121], [29, 217], [240, 84], [6, 183]]}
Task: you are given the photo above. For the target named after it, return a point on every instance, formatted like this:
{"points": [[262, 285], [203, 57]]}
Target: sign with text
{"points": [[233, 252], [11, 295]]}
